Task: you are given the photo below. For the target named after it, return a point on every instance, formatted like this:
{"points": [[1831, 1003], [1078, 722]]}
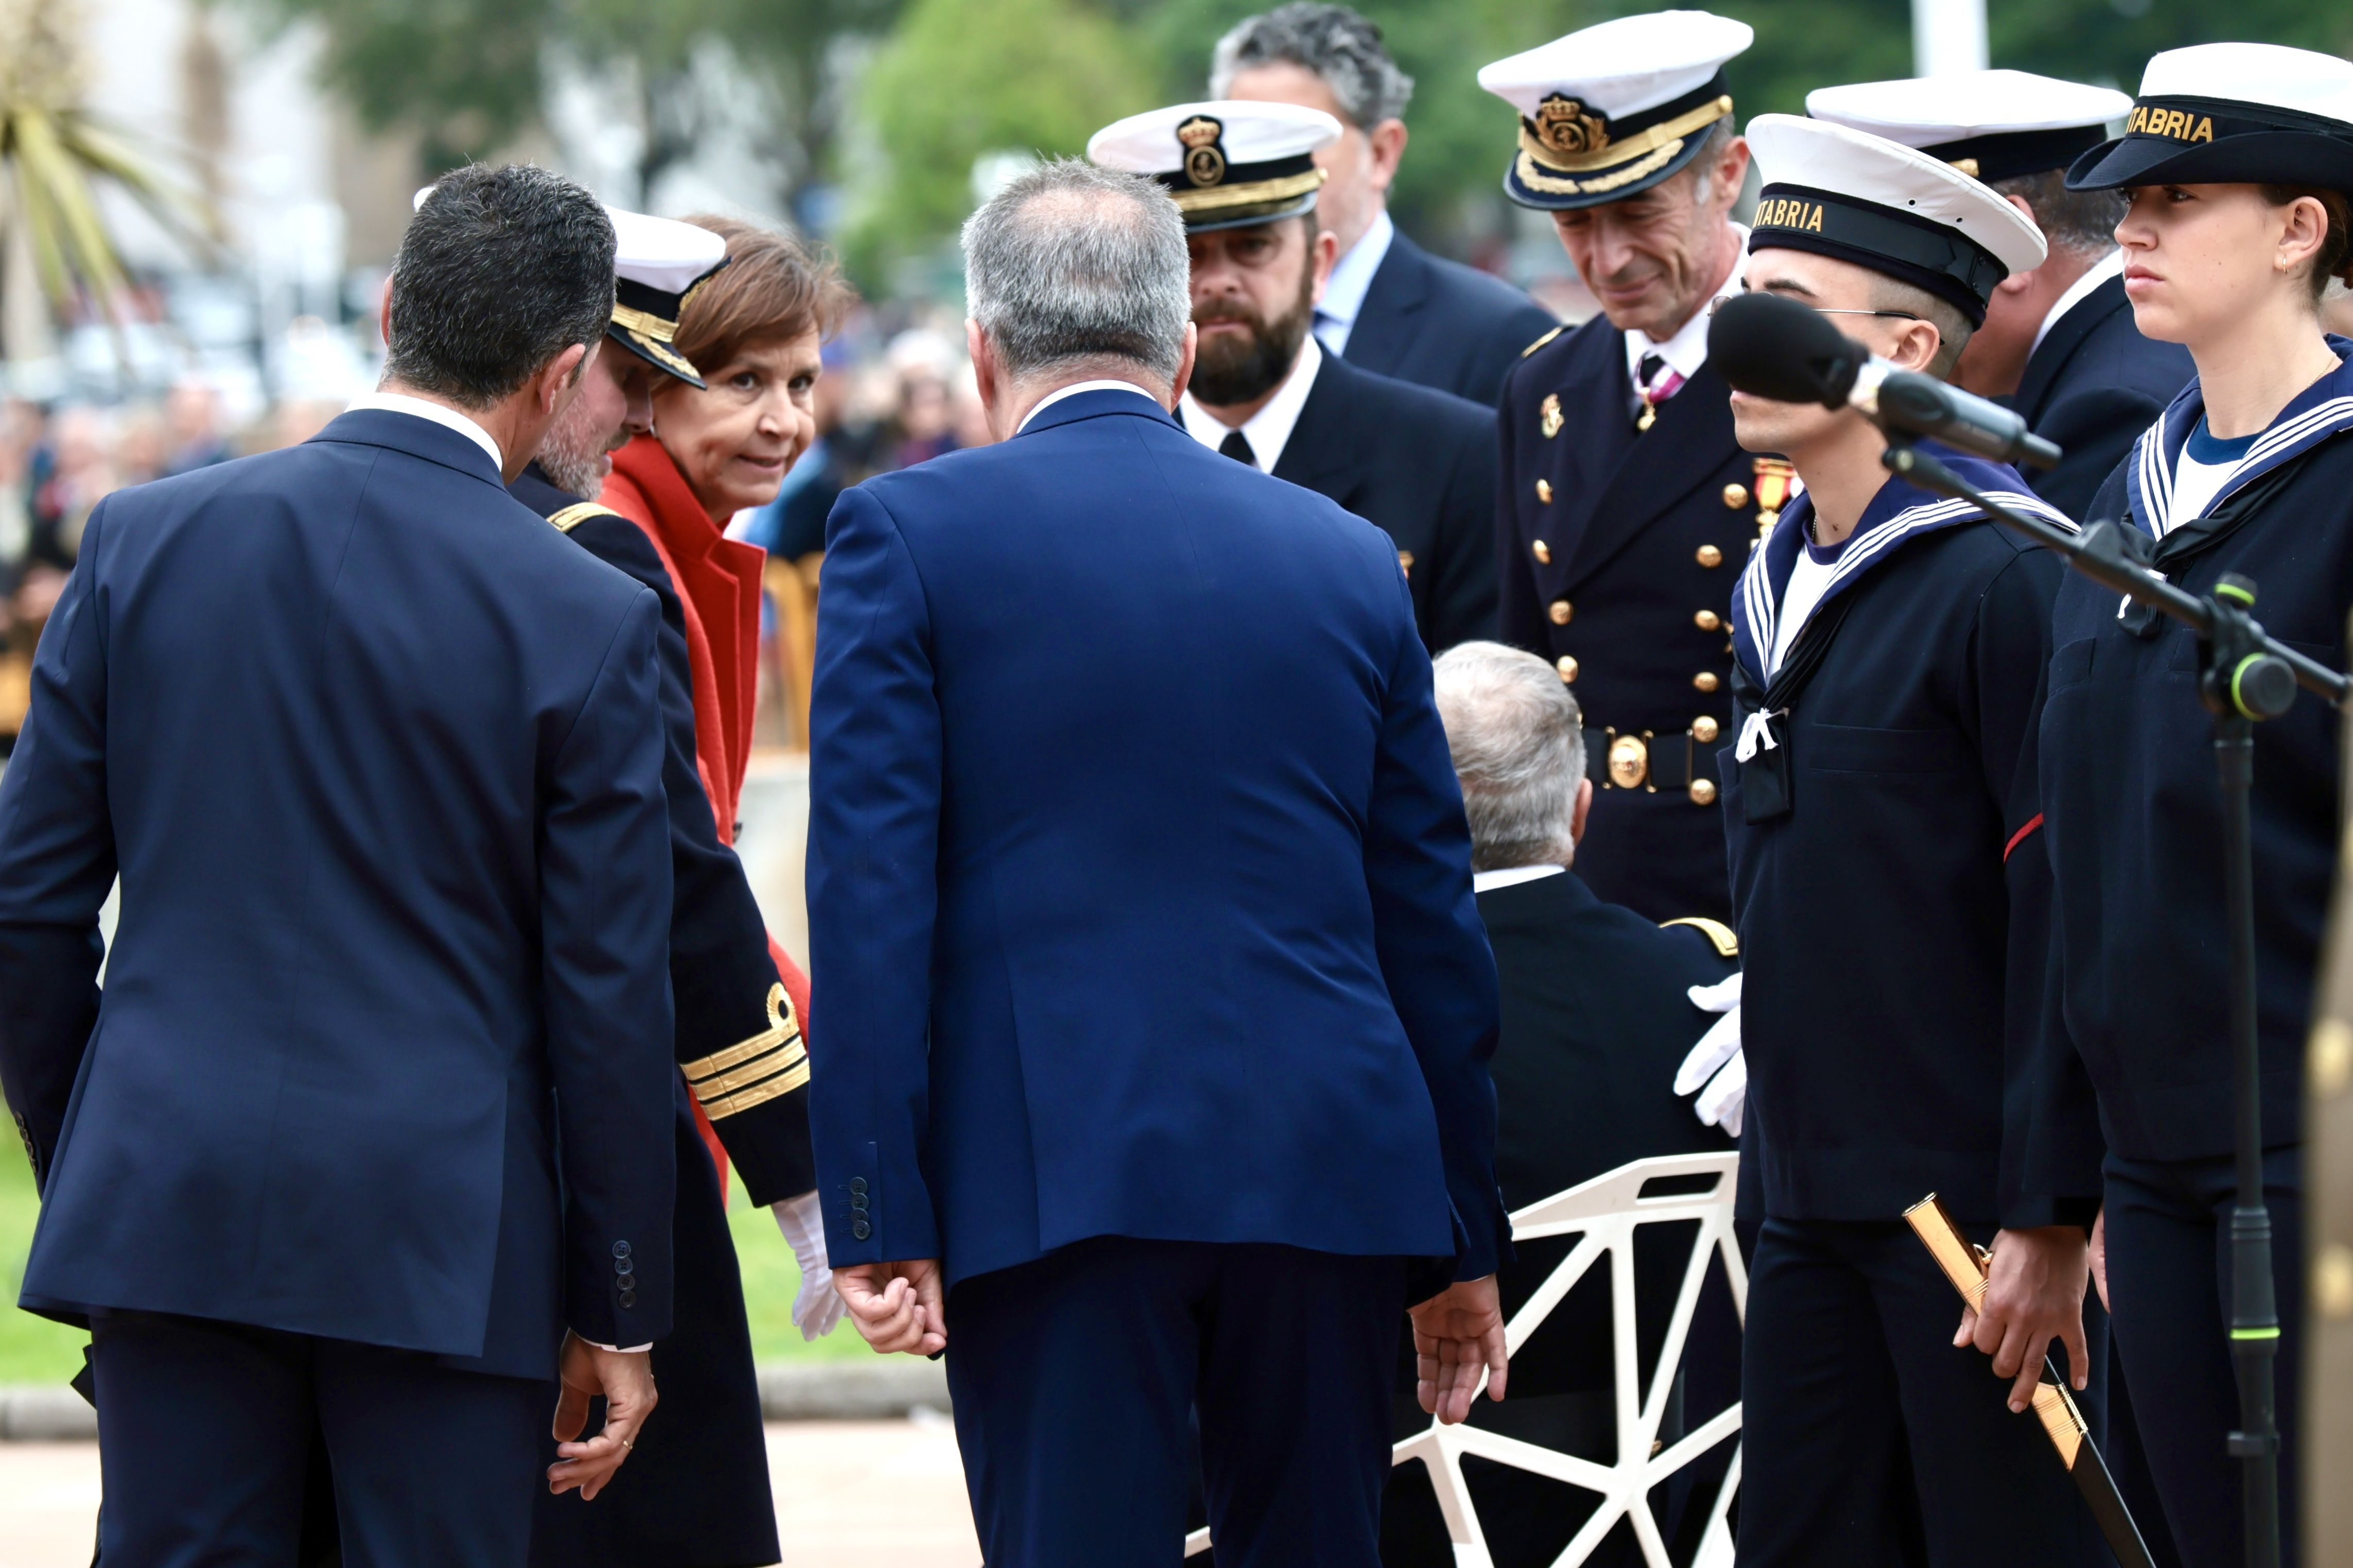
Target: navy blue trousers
{"points": [[1073, 1375], [1867, 1438], [2168, 1283], [205, 1433]]}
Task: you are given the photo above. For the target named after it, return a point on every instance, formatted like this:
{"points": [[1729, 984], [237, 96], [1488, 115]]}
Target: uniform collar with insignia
{"points": [[2319, 412], [1899, 513]]}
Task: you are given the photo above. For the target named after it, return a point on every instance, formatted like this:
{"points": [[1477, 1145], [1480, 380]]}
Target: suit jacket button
{"points": [[1706, 680], [1542, 552], [629, 1300], [1566, 665], [624, 1267], [1561, 611], [620, 1249], [857, 1186], [1735, 496], [1704, 729], [1703, 792], [1707, 620], [1709, 556], [1544, 494], [861, 1229]]}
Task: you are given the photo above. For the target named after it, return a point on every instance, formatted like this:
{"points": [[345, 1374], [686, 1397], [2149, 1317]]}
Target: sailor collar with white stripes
{"points": [[1899, 513], [2311, 417]]}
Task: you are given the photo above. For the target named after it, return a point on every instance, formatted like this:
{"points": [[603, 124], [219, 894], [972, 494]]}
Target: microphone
{"points": [[1771, 346]]}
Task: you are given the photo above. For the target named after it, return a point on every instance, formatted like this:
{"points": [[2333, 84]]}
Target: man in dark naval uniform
{"points": [[1627, 509], [1391, 307], [1418, 464], [698, 1496], [2059, 343], [1597, 1008], [1894, 902]]}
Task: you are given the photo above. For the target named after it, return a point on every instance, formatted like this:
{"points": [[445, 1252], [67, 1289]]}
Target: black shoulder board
{"points": [[1726, 940], [573, 516], [1542, 340]]}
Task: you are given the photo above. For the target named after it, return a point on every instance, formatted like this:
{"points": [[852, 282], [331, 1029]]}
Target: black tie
{"points": [[1236, 446]]}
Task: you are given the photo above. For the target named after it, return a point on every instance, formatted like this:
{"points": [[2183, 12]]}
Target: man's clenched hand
{"points": [[896, 1306], [1458, 1334], [2034, 1294], [624, 1379]]}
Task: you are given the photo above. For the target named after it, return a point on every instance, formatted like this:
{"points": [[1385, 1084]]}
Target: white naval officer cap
{"points": [[1226, 163], [2232, 114], [1995, 124], [1614, 109], [1898, 211], [658, 263]]}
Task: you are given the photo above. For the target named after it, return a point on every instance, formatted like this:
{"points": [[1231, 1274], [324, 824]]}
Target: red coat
{"points": [[718, 583]]}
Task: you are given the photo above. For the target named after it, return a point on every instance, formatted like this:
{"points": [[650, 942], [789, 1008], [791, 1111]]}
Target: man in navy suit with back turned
{"points": [[1391, 308], [1156, 1003], [369, 1132]]}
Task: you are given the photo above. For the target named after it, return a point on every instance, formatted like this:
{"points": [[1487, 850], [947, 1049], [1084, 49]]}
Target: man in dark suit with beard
{"points": [[1390, 308], [2058, 344], [1419, 464]]}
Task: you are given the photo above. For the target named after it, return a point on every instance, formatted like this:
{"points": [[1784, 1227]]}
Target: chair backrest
{"points": [[1605, 1214], [792, 589]]}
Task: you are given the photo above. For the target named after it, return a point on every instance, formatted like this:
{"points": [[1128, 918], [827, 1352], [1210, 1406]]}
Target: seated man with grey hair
{"points": [[1597, 1012], [1391, 306], [1155, 1005]]}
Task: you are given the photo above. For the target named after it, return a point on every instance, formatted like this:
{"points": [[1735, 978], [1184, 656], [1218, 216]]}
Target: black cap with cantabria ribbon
{"points": [[2232, 114]]}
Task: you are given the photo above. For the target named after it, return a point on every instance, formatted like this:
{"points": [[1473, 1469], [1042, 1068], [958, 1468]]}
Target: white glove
{"points": [[818, 1307], [1716, 1066]]}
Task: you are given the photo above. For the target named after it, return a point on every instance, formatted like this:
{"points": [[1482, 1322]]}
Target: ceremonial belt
{"points": [[1647, 760], [753, 1072]]}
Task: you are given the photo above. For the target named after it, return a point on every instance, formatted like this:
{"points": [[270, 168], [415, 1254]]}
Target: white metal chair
{"points": [[1605, 1213]]}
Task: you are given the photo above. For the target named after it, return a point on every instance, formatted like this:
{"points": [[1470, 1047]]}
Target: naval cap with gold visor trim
{"points": [[657, 264], [1993, 124], [1226, 164], [1614, 109]]}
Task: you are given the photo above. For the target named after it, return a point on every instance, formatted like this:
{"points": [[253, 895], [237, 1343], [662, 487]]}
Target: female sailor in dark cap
{"points": [[2237, 158]]}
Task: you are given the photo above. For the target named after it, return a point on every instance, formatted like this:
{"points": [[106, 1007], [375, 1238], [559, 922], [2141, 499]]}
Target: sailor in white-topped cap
{"points": [[1892, 893], [2238, 162], [1415, 462], [2058, 342], [1626, 507]]}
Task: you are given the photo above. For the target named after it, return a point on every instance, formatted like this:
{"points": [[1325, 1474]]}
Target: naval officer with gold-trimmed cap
{"points": [[2058, 343], [1415, 462], [1625, 509]]}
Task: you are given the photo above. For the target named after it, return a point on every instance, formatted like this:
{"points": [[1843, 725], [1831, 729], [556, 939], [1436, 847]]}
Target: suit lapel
{"points": [[1318, 447], [1392, 302], [1691, 439], [2067, 335]]}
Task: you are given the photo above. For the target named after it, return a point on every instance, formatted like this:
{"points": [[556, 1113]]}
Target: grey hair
{"points": [[2083, 222], [1071, 263], [1341, 48], [1518, 743]]}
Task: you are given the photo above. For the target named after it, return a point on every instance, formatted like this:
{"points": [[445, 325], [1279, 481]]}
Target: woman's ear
{"points": [[2304, 230]]}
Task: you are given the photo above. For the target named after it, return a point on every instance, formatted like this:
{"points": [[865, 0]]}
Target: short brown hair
{"points": [[2333, 259], [772, 288]]}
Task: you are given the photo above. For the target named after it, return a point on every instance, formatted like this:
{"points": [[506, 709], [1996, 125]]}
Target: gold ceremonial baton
{"points": [[1965, 1265]]}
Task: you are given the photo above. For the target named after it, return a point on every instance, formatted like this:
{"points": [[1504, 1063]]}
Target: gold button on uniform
{"points": [[1542, 552], [1735, 496], [1704, 729], [1706, 680], [1566, 665], [1560, 611], [1707, 620], [1709, 556], [1703, 792], [1544, 491]]}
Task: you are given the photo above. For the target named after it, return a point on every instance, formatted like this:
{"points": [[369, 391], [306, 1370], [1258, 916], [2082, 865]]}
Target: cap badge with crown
{"points": [[1568, 128], [1205, 162]]}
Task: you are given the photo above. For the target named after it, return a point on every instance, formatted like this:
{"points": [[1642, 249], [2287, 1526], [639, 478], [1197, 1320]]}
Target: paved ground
{"points": [[887, 1491]]}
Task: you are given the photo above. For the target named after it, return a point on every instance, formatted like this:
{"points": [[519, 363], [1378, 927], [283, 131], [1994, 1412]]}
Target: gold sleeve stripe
{"points": [[573, 516], [759, 1094], [782, 1028], [1542, 340], [1726, 940], [720, 1085]]}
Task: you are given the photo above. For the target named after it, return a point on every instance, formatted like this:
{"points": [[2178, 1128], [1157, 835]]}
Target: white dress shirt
{"points": [[447, 418], [1352, 277], [2112, 265], [1076, 387], [1487, 882], [1687, 350], [1268, 429]]}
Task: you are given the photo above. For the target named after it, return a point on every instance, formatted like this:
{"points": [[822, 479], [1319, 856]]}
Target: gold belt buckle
{"points": [[1630, 762]]}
